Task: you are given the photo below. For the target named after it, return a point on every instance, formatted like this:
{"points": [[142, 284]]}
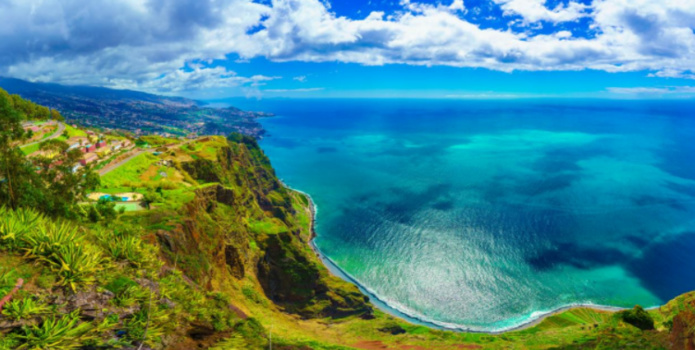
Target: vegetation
{"points": [[46, 182], [220, 259], [638, 318]]}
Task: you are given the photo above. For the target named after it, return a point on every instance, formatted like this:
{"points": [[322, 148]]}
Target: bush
{"points": [[638, 317], [23, 308], [14, 226], [60, 246], [56, 333]]}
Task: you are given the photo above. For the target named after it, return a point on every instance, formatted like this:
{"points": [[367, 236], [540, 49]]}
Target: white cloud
{"points": [[457, 5], [672, 73], [536, 10], [301, 78], [144, 44]]}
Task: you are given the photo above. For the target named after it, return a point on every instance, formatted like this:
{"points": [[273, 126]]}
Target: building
{"points": [[89, 158], [104, 152], [101, 144]]}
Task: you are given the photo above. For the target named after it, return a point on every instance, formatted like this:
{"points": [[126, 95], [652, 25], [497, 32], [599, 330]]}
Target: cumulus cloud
{"points": [[536, 10], [167, 45]]}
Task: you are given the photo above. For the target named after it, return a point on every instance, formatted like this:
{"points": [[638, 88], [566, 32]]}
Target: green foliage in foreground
{"points": [[637, 317], [144, 305]]}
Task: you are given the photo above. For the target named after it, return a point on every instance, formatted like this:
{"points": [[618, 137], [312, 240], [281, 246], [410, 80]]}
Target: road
{"points": [[111, 167], [58, 132]]}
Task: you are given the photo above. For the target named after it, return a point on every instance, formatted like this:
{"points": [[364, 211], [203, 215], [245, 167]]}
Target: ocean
{"points": [[484, 215]]}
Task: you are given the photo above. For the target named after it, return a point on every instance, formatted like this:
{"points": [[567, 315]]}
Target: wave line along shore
{"points": [[413, 317]]}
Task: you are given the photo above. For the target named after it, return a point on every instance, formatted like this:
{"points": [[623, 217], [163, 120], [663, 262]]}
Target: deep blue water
{"points": [[485, 214]]}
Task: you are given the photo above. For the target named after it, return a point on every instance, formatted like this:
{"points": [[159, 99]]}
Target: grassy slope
{"points": [[229, 248]]}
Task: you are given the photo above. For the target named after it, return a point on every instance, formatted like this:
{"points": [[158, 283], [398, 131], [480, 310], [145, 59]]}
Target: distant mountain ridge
{"points": [[135, 111], [20, 87]]}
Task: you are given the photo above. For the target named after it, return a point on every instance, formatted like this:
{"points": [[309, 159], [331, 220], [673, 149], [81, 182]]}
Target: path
{"points": [[58, 132], [113, 166]]}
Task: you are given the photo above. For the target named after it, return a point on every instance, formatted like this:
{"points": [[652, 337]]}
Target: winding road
{"points": [[58, 132]]}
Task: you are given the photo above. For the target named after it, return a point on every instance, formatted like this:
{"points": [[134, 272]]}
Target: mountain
{"points": [[136, 111]]}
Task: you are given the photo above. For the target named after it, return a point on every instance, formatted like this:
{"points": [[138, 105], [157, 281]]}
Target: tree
{"points": [[150, 197], [13, 165], [49, 182], [638, 317], [55, 115]]}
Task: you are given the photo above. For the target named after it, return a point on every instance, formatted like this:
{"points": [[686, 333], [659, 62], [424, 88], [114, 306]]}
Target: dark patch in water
{"points": [[575, 255], [547, 184], [637, 241], [667, 268], [561, 160], [647, 200], [326, 149], [684, 189]]}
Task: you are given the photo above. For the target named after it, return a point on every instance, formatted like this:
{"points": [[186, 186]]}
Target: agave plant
{"points": [[62, 333], [46, 240], [15, 226], [76, 264], [23, 309], [146, 325]]}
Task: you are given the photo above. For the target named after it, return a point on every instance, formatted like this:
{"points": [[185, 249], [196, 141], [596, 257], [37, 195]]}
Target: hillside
{"points": [[135, 111], [196, 244]]}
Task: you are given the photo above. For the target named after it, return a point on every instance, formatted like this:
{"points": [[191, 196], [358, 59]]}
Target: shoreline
{"points": [[384, 306]]}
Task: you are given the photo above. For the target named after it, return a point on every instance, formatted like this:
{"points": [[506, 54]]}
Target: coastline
{"points": [[534, 319]]}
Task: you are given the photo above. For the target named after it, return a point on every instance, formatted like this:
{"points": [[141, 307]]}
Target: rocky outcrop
{"points": [[682, 335]]}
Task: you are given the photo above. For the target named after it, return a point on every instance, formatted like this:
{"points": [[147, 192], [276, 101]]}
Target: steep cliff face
{"points": [[243, 224]]}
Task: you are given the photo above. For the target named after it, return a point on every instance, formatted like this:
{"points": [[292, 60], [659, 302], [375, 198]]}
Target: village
{"points": [[96, 147], [128, 166]]}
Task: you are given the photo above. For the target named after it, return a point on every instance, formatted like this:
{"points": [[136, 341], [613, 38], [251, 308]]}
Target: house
{"points": [[103, 152], [89, 158], [73, 146], [116, 147], [90, 147], [101, 144]]}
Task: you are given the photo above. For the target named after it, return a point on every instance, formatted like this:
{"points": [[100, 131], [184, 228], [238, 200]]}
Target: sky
{"points": [[468, 49]]}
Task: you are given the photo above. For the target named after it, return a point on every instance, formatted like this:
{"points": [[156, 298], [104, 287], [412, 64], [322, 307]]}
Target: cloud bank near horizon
{"points": [[167, 46]]}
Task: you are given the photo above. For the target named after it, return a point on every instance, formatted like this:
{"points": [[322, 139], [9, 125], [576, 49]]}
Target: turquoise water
{"points": [[483, 215]]}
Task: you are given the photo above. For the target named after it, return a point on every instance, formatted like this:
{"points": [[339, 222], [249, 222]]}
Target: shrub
{"points": [[638, 317], [125, 245], [15, 225], [56, 333], [45, 240], [23, 309], [76, 264]]}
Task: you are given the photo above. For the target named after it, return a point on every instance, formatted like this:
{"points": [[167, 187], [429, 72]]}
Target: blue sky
{"points": [[212, 49]]}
